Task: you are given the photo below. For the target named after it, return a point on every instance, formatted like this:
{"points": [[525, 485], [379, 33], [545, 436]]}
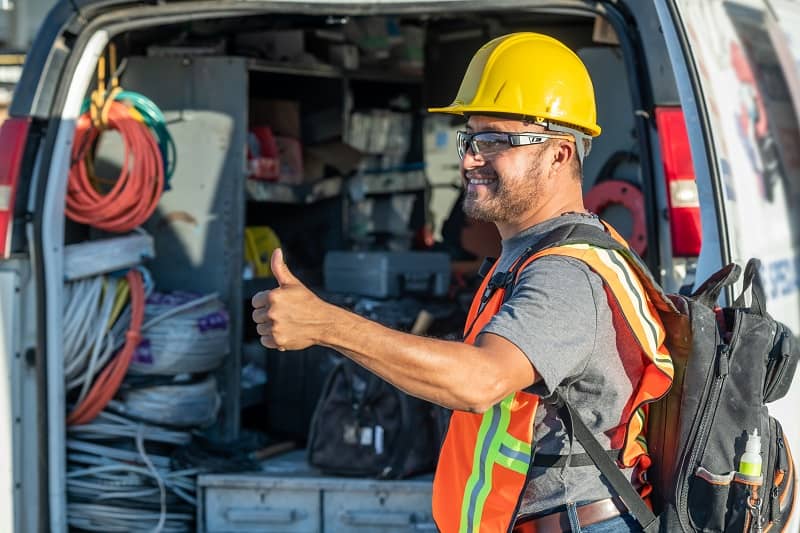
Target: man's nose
{"points": [[471, 161]]}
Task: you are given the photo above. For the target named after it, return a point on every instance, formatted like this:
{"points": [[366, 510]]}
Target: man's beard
{"points": [[504, 204]]}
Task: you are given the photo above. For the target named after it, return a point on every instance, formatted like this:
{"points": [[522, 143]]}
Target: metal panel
{"points": [[199, 224], [9, 395]]}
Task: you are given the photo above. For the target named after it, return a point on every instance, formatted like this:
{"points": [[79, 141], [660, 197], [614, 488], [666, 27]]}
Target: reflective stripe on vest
{"points": [[485, 459]]}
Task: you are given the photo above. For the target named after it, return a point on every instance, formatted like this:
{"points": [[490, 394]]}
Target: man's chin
{"points": [[477, 212]]}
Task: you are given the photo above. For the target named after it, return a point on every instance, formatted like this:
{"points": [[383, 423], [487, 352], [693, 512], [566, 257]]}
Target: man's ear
{"points": [[563, 155]]}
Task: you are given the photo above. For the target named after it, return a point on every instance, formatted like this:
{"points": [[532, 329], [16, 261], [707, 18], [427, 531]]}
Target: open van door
{"points": [[740, 98]]}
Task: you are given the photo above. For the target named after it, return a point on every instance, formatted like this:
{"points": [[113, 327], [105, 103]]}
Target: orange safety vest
{"points": [[486, 458]]}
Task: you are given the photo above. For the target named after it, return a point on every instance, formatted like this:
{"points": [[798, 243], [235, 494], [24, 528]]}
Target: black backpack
{"points": [[729, 363], [363, 426]]}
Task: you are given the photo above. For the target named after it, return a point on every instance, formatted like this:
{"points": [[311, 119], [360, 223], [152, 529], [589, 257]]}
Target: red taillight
{"points": [[682, 197], [13, 133]]}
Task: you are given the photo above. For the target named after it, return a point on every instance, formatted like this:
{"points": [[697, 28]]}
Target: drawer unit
{"points": [[288, 496], [391, 508], [258, 503]]}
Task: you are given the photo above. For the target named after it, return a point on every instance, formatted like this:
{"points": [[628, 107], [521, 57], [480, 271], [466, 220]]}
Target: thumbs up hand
{"points": [[289, 317]]}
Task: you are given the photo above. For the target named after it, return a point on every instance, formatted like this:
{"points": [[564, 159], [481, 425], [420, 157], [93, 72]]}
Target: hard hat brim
{"points": [[464, 110]]}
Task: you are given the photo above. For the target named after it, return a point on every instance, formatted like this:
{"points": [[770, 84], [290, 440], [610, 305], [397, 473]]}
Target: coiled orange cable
{"points": [[135, 193], [107, 383]]}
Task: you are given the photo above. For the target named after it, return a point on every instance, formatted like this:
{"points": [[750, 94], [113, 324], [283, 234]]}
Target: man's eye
{"points": [[491, 144]]}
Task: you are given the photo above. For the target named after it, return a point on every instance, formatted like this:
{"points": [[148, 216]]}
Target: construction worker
{"points": [[572, 319]]}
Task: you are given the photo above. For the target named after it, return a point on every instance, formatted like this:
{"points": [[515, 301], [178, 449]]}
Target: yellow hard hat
{"points": [[530, 75]]}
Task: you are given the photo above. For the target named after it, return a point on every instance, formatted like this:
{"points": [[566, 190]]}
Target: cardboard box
{"points": [[282, 116], [340, 156], [283, 45], [322, 125], [344, 55], [290, 155]]}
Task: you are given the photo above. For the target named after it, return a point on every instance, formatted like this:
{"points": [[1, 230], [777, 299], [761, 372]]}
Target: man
{"points": [[575, 320]]}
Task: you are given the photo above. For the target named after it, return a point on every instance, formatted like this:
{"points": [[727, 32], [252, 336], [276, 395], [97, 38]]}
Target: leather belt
{"points": [[588, 514]]}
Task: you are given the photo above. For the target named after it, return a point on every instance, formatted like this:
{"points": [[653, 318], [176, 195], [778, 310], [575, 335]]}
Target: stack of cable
{"points": [[183, 333], [120, 477], [120, 439], [103, 318]]}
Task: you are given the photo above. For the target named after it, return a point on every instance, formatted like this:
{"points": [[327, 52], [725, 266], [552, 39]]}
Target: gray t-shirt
{"points": [[558, 315]]}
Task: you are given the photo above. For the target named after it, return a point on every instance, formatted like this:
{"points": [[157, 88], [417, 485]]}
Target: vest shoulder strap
{"points": [[607, 238]]}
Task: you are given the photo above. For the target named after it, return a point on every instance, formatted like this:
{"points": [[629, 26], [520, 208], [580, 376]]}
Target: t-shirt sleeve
{"points": [[551, 317]]}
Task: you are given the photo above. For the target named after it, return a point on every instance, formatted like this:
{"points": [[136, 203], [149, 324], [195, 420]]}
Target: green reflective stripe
{"points": [[486, 423], [494, 446], [517, 445], [493, 456], [513, 464]]}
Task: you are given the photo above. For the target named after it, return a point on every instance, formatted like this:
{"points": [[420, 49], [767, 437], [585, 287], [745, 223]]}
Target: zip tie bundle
{"points": [[123, 204], [177, 405], [115, 484], [183, 333]]}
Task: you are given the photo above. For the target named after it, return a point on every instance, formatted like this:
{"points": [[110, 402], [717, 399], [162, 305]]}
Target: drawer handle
{"points": [[384, 518], [263, 516]]}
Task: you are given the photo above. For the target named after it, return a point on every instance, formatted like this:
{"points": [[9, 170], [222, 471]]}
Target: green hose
{"points": [[155, 120]]}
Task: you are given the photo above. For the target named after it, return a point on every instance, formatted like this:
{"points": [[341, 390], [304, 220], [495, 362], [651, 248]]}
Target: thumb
{"points": [[281, 272]]}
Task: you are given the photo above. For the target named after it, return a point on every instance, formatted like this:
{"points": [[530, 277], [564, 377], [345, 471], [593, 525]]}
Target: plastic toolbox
{"points": [[387, 274], [288, 497]]}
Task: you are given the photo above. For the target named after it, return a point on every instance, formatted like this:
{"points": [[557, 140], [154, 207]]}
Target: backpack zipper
{"points": [[709, 409]]}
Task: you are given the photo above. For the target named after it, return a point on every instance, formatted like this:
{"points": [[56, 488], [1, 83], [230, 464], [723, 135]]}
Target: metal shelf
{"points": [[393, 182], [263, 191], [323, 70]]}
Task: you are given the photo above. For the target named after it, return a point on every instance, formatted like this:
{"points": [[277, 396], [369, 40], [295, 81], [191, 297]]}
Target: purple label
{"points": [[216, 320], [143, 353], [173, 298]]}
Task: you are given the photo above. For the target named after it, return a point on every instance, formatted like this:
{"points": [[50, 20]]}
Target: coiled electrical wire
{"points": [[115, 484], [183, 333], [135, 193], [175, 404], [151, 116], [109, 379]]}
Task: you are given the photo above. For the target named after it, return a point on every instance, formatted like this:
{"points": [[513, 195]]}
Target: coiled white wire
{"points": [[90, 341], [182, 335], [113, 483], [175, 404], [114, 488]]}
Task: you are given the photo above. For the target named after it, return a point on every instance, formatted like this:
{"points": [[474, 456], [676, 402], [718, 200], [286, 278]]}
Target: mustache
{"points": [[480, 174]]}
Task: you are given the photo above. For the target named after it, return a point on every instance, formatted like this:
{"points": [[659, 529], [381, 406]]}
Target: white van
{"points": [[698, 100]]}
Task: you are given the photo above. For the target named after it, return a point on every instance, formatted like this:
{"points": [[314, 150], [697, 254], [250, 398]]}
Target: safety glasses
{"points": [[489, 143]]}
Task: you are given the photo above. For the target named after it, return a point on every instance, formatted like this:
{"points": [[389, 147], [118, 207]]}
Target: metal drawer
{"points": [[277, 510], [395, 508]]}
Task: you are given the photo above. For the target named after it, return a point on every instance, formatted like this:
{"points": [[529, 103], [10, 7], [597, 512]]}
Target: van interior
{"points": [[307, 132]]}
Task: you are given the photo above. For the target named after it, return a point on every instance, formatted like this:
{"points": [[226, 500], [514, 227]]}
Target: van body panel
{"points": [[756, 136], [56, 77], [44, 62], [10, 323], [714, 252]]}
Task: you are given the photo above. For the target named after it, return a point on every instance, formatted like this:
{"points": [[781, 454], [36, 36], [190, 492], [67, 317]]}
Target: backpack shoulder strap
{"points": [[632, 500], [606, 238]]}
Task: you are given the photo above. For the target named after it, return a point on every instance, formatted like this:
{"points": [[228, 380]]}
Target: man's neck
{"points": [[543, 213]]}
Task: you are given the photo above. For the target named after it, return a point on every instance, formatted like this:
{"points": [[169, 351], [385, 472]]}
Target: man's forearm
{"points": [[448, 373]]}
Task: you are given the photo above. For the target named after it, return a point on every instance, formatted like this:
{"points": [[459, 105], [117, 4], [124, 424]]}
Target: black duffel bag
{"points": [[363, 426]]}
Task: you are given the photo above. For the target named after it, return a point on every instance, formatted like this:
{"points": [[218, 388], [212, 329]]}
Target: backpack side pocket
{"points": [[708, 499], [780, 483]]}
